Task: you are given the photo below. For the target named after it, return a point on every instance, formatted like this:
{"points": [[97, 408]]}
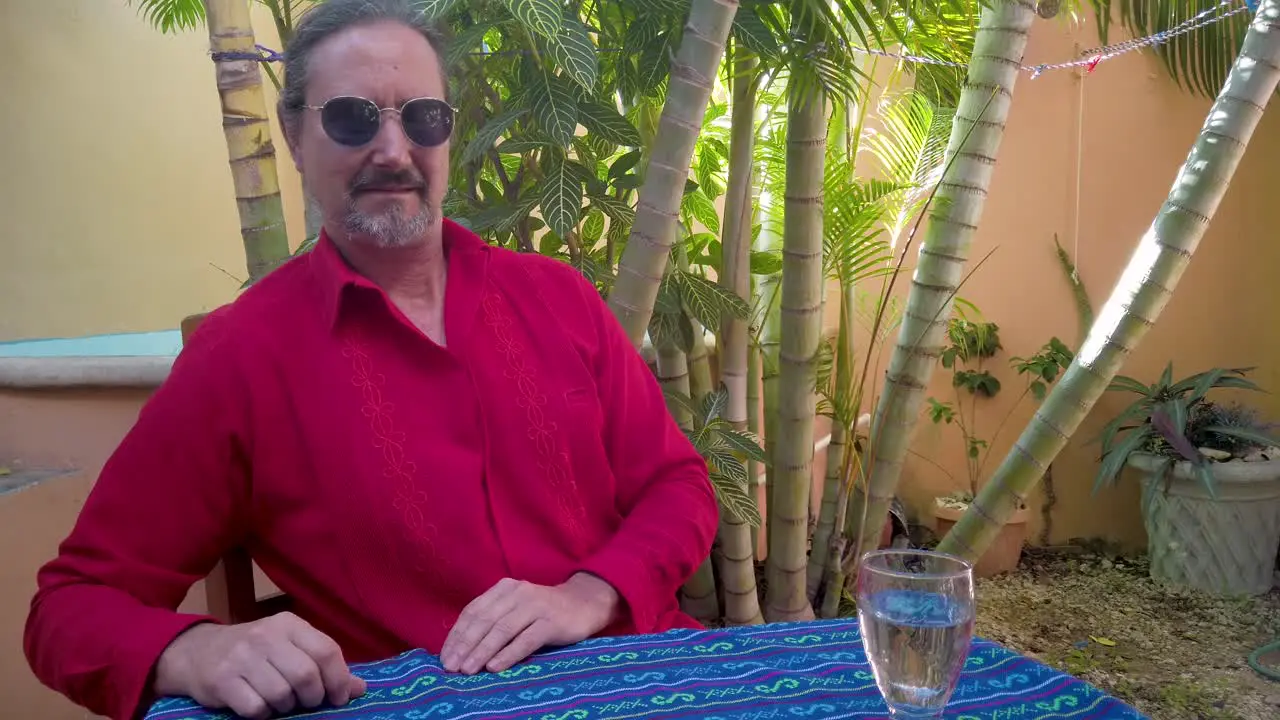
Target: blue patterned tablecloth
{"points": [[785, 670]]}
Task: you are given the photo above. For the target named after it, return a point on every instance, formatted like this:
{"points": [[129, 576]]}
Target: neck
{"points": [[412, 276]]}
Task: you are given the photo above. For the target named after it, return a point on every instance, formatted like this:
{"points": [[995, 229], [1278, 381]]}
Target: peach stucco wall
{"points": [[121, 245]]}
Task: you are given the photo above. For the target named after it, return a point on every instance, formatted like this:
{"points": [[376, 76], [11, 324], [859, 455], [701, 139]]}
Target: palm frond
{"points": [[170, 16], [1198, 61], [911, 149]]}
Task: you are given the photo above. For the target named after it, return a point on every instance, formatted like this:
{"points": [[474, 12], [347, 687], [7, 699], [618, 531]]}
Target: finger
{"points": [[504, 630], [358, 686], [335, 675], [238, 695], [474, 623], [270, 685], [300, 670], [525, 644]]}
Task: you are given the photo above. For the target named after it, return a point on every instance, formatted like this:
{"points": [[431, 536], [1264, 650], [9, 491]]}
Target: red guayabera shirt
{"points": [[379, 479]]}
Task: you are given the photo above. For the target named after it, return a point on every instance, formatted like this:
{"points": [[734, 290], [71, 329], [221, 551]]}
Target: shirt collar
{"points": [[335, 274]]}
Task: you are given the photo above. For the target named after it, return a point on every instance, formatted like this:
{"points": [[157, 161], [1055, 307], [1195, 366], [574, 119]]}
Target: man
{"points": [[423, 440]]}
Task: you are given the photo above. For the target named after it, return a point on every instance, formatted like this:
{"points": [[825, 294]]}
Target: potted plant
{"points": [[970, 344], [1210, 480]]}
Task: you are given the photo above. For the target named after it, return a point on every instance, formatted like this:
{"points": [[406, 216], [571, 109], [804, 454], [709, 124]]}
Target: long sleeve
{"points": [[163, 510], [665, 494]]}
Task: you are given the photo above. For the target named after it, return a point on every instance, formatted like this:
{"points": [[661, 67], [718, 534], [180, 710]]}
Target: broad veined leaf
{"points": [[522, 144], [573, 51], [593, 225], [754, 35], [729, 479], [466, 42], [680, 400], [618, 211], [708, 302], [556, 109], [607, 122], [543, 17], [624, 163], [671, 330], [433, 9], [744, 442], [766, 262], [489, 134], [713, 405], [503, 218], [655, 63], [659, 7], [703, 210], [561, 201]]}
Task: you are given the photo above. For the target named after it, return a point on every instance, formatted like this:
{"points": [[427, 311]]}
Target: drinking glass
{"points": [[915, 610]]}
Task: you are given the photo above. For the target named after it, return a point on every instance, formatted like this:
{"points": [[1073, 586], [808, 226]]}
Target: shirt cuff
{"points": [[632, 577], [138, 654]]}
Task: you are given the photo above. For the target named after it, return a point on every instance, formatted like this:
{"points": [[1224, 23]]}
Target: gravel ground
{"points": [[1174, 654]]}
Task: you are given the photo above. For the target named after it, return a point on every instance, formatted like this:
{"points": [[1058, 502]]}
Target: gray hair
{"points": [[331, 17]]}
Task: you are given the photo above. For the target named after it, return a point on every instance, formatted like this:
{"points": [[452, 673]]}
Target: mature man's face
{"points": [[388, 191]]}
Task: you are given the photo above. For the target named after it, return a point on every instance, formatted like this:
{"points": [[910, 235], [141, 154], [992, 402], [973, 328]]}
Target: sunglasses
{"points": [[354, 121]]}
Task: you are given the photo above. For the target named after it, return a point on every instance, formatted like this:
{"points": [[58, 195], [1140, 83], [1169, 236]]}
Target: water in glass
{"points": [[915, 610]]}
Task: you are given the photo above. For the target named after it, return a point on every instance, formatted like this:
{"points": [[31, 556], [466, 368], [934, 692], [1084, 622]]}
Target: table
{"points": [[783, 670]]}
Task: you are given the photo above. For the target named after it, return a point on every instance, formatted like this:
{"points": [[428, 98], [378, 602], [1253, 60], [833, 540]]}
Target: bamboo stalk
{"points": [[247, 130], [693, 74], [975, 142], [801, 304]]}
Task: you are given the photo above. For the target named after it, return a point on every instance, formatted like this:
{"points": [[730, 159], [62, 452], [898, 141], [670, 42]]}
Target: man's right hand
{"points": [[275, 664]]}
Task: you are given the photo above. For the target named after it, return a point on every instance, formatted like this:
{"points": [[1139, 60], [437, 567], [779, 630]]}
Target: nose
{"points": [[391, 145]]}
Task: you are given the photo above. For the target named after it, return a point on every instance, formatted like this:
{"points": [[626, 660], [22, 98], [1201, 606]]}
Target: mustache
{"points": [[380, 178]]}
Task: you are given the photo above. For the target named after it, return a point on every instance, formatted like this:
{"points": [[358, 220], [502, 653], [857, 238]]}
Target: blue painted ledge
{"points": [[138, 360]]}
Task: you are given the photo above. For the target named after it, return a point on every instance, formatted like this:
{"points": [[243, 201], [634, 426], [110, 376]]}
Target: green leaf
{"points": [[714, 404], [1248, 435], [618, 211], [1113, 462], [556, 110], [593, 226], [624, 162], [573, 51], [655, 63], [708, 302], [503, 218], [745, 443], [543, 17], [732, 497], [754, 35], [683, 401], [170, 15], [608, 123], [671, 330], [489, 134], [465, 43], [521, 145], [703, 210], [561, 201], [766, 262], [431, 10]]}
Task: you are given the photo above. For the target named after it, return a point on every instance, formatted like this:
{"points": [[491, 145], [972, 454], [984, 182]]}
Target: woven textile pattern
{"points": [[784, 670]]}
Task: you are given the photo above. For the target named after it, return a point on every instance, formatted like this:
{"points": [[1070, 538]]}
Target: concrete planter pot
{"points": [[1226, 546], [1005, 551]]}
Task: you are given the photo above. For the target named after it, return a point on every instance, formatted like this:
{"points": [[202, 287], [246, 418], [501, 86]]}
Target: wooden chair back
{"points": [[229, 589]]}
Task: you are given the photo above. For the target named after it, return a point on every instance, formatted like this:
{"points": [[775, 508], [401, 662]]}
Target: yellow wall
{"points": [[118, 206]]}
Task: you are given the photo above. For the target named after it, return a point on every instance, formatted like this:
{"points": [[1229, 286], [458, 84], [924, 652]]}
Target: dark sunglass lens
{"points": [[427, 122], [350, 121]]}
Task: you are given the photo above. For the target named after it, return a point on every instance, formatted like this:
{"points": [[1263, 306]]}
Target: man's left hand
{"points": [[515, 619]]}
